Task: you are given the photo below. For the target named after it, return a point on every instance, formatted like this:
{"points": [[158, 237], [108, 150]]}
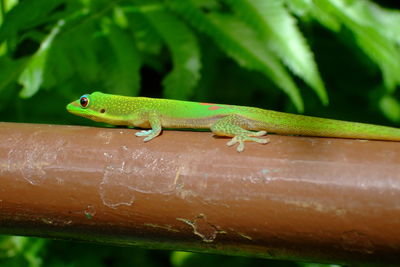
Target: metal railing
{"points": [[302, 198]]}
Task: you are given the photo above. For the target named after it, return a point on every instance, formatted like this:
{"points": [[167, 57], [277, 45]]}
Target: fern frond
{"points": [[241, 43], [383, 51], [384, 20], [305, 9], [281, 34], [182, 44]]}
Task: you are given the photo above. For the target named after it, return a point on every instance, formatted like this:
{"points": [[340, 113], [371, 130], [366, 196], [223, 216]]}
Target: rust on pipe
{"points": [[302, 198]]}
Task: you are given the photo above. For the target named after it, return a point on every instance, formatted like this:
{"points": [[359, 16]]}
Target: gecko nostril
{"points": [[102, 110]]}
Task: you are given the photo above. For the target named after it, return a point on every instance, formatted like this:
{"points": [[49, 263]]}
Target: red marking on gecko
{"points": [[212, 106]]}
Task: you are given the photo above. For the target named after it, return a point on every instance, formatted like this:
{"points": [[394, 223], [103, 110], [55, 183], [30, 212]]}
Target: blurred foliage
{"points": [[196, 49], [276, 54], [35, 252]]}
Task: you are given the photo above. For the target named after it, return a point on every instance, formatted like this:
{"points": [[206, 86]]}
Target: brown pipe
{"points": [[313, 199]]}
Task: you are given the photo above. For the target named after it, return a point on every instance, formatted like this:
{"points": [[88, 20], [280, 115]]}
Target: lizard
{"points": [[239, 122]]}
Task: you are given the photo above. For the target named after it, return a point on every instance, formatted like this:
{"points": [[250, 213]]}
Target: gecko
{"points": [[241, 123]]}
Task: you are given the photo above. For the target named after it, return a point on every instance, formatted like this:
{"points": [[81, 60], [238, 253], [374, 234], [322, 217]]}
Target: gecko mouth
{"points": [[76, 109]]}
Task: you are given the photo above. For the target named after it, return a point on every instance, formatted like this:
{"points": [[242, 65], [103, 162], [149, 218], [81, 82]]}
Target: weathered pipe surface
{"points": [[314, 199]]}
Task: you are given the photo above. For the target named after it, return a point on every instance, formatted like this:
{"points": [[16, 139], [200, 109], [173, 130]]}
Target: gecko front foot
{"points": [[143, 133], [155, 130], [244, 137], [150, 134]]}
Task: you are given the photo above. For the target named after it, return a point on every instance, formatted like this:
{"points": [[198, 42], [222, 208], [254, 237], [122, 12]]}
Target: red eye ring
{"points": [[84, 101]]}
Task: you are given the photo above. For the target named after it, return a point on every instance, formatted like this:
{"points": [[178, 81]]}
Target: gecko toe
{"points": [[144, 133], [233, 141], [261, 141], [260, 133], [242, 138], [240, 147], [148, 138]]}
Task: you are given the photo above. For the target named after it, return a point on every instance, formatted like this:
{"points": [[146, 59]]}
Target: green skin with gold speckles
{"points": [[239, 122]]}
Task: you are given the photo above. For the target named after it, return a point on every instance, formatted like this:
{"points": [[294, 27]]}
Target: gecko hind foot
{"points": [[237, 127]]}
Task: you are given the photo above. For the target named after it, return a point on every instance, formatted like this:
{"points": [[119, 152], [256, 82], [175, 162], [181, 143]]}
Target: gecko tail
{"points": [[292, 124]]}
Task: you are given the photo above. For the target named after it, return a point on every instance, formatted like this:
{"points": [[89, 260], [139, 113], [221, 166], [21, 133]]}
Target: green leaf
{"points": [[79, 47], [26, 14], [147, 39], [32, 77], [124, 63], [183, 46], [74, 54], [281, 34], [390, 107], [241, 43], [120, 18], [2, 12], [10, 69]]}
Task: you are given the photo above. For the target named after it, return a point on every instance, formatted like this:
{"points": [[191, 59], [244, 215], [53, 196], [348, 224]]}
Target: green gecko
{"points": [[239, 122]]}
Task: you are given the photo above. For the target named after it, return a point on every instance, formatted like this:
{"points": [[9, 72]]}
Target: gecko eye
{"points": [[84, 101]]}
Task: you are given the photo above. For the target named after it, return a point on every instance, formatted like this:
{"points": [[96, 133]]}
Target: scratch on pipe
{"points": [[244, 236], [178, 172], [179, 185], [357, 241], [113, 189], [30, 163], [106, 136], [313, 205], [202, 228], [47, 221], [56, 222], [166, 227], [31, 160]]}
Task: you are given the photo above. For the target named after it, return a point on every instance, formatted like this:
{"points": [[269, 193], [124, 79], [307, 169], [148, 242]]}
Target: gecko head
{"points": [[87, 106]]}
